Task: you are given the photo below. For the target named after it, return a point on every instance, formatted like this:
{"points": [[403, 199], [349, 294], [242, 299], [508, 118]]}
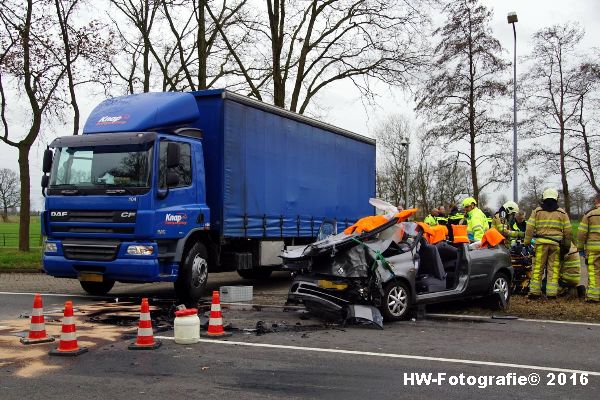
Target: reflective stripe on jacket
{"points": [[588, 233], [477, 224], [549, 227], [503, 226]]}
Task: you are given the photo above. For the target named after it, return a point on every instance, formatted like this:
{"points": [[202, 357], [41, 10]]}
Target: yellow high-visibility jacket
{"points": [[549, 227], [430, 220], [588, 233], [503, 226], [477, 224]]}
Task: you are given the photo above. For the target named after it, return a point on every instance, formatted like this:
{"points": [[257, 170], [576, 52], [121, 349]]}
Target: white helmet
{"points": [[550, 193], [511, 207]]}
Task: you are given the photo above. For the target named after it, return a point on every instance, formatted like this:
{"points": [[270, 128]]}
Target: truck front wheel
{"points": [[193, 275], [97, 288]]}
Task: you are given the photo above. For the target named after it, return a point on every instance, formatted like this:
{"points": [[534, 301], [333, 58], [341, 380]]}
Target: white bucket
{"points": [[187, 326]]}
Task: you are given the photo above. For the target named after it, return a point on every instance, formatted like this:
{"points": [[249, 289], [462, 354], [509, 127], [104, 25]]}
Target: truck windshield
{"points": [[95, 167]]}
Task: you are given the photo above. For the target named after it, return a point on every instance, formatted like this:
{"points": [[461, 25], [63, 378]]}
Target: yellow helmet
{"points": [[550, 193], [511, 207], [468, 201]]}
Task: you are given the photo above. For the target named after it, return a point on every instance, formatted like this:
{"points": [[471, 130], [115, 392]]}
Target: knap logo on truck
{"points": [[175, 219], [113, 120]]}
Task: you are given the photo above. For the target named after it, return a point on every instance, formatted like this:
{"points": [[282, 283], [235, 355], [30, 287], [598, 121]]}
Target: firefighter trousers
{"points": [[593, 264], [547, 260]]}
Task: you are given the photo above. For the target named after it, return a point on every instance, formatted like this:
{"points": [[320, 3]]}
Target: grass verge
{"points": [[13, 259]]}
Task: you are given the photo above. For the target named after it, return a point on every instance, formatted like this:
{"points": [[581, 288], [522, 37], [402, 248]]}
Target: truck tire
{"points": [[192, 275], [255, 273], [97, 288]]}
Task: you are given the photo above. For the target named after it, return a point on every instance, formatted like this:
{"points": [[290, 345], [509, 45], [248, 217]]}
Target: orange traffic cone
{"points": [[68, 338], [145, 337], [37, 329], [215, 324]]}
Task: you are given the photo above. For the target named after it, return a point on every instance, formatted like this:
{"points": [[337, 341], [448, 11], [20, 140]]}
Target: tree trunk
{"points": [[276, 18], [25, 206], [563, 171], [472, 133], [201, 46]]}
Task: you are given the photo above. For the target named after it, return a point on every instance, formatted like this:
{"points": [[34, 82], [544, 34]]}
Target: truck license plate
{"points": [[86, 277]]}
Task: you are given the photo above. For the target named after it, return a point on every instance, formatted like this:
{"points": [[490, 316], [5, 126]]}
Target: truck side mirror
{"points": [[45, 181], [47, 163], [173, 155], [172, 179]]}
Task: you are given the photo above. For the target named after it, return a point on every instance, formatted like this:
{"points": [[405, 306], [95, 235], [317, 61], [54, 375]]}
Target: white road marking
{"points": [[392, 355], [487, 318]]}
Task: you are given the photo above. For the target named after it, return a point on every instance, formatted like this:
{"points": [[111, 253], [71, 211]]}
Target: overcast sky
{"points": [[340, 104]]}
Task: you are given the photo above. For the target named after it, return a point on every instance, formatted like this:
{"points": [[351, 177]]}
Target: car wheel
{"points": [[97, 288], [255, 273], [500, 287], [396, 301], [192, 275]]}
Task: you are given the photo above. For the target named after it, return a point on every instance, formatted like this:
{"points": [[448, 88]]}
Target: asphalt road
{"points": [[328, 362]]}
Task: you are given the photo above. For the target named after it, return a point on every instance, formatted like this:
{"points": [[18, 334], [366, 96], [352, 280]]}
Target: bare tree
{"points": [[142, 15], [391, 169], [554, 102], [459, 98], [29, 62], [9, 191], [314, 43], [86, 51], [532, 193], [586, 154]]}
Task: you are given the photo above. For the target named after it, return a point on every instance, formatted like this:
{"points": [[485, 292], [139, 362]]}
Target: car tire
{"points": [[192, 275], [97, 288], [255, 273], [500, 284], [396, 301]]}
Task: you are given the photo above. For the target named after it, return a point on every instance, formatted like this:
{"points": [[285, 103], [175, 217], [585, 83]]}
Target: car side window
{"points": [[184, 169]]}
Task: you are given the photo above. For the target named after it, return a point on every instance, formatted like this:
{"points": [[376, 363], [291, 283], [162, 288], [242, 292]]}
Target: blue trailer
{"points": [[170, 186]]}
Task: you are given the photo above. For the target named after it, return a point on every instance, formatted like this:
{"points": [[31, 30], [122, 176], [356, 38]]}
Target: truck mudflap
{"points": [[126, 269]]}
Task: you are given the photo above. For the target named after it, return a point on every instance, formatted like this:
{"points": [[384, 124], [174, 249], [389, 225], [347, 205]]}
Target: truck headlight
{"points": [[140, 250], [50, 247]]}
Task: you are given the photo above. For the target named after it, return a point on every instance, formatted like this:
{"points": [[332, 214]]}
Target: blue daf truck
{"points": [[169, 186]]}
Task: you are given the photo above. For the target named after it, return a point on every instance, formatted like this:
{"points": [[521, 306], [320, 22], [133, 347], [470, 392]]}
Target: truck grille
{"points": [[65, 222], [122, 216], [90, 250]]}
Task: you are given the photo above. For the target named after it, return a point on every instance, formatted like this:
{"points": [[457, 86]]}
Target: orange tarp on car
{"points": [[491, 238]]}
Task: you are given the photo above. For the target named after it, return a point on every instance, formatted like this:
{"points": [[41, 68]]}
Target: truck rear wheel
{"points": [[192, 276], [97, 288], [255, 273]]}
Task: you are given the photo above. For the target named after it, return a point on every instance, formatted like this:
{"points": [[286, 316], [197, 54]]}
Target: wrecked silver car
{"points": [[392, 268]]}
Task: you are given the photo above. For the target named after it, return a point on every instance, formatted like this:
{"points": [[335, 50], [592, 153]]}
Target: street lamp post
{"points": [[405, 143], [512, 18]]}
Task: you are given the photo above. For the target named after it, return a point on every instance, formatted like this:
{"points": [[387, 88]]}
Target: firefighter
{"points": [[431, 219], [520, 223], [570, 273], [505, 222], [477, 223], [550, 226], [442, 218], [588, 243]]}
